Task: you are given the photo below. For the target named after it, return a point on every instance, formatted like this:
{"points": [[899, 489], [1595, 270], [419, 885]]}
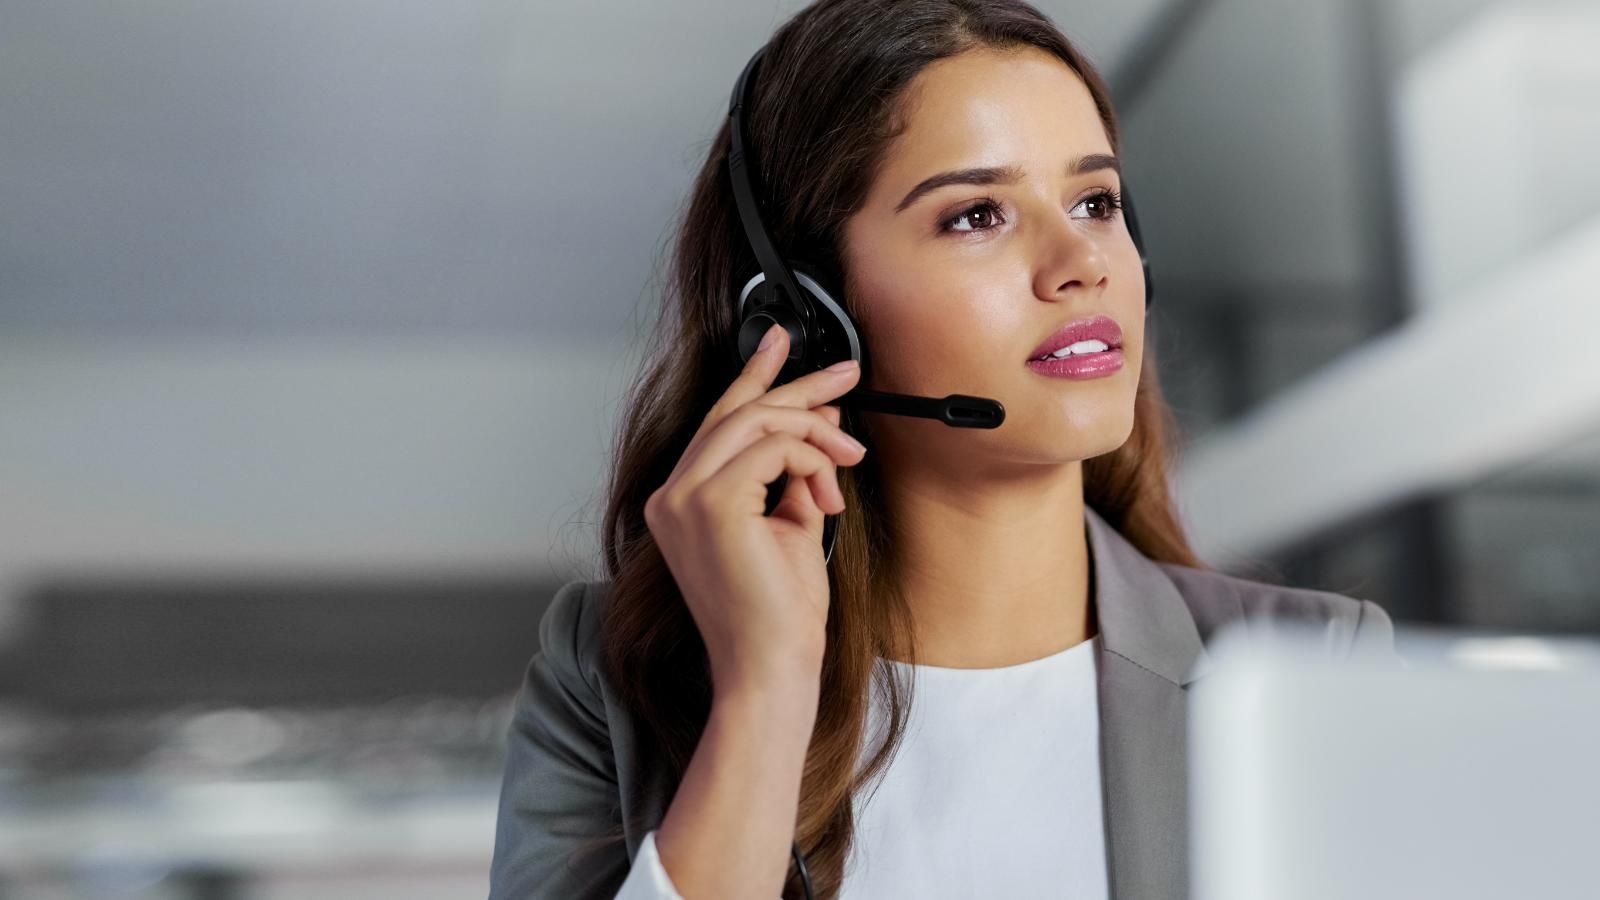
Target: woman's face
{"points": [[956, 288]]}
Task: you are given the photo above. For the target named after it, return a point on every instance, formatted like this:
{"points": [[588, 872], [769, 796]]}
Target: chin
{"points": [[1059, 444], [1083, 437]]}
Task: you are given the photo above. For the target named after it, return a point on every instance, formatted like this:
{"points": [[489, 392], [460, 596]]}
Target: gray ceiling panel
{"points": [[298, 166]]}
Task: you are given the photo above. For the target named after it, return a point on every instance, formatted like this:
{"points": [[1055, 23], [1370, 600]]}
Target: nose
{"points": [[1071, 257]]}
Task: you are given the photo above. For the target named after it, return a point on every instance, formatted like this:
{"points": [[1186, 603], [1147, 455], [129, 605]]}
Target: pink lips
{"points": [[1096, 328], [1087, 365], [1090, 365]]}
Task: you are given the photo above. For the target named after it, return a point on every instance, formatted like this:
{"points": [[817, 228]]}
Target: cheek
{"points": [[1131, 299], [937, 319]]}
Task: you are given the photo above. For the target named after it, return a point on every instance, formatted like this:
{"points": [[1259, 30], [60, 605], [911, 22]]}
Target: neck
{"points": [[996, 572]]}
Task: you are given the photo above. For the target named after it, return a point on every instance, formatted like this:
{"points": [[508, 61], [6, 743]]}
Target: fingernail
{"points": [[844, 366], [770, 339]]}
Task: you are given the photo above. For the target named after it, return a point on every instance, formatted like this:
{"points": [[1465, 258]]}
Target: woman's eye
{"points": [[1108, 201], [974, 212]]}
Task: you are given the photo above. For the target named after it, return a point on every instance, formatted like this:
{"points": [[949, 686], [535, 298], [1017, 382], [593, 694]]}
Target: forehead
{"points": [[986, 107]]}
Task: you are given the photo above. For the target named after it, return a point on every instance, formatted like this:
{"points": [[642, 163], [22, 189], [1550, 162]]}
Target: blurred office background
{"points": [[314, 317]]}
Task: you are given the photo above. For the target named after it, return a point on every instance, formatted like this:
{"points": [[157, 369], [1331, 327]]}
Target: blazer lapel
{"points": [[1149, 652]]}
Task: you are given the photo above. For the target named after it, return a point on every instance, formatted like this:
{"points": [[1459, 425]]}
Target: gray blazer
{"points": [[575, 765]]}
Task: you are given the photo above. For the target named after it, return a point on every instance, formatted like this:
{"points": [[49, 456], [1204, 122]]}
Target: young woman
{"points": [[729, 712]]}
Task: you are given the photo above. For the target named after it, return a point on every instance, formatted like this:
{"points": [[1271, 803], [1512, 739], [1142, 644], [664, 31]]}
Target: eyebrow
{"points": [[1092, 162]]}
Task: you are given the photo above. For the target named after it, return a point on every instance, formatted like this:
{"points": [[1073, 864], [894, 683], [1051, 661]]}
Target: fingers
{"points": [[805, 500], [756, 377], [749, 414], [806, 392], [753, 421], [819, 484], [744, 479], [826, 494], [815, 388]]}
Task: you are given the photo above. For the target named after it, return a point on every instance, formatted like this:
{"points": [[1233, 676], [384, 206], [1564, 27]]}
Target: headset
{"points": [[800, 296]]}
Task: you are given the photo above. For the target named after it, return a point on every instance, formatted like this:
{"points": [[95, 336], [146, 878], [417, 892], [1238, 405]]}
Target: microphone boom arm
{"points": [[955, 410]]}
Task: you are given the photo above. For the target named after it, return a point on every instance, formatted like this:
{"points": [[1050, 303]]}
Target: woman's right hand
{"points": [[757, 585]]}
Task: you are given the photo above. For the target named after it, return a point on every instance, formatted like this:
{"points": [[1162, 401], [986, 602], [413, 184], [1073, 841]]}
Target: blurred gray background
{"points": [[314, 319]]}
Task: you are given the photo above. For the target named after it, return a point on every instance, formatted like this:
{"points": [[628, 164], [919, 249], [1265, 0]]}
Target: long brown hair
{"points": [[828, 85]]}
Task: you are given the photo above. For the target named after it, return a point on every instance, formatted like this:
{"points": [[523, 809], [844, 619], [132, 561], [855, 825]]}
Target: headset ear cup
{"points": [[835, 337], [753, 325], [757, 314]]}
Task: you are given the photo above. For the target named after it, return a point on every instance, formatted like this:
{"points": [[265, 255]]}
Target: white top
{"points": [[993, 792]]}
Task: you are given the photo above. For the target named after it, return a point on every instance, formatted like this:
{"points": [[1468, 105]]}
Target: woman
{"points": [[730, 708]]}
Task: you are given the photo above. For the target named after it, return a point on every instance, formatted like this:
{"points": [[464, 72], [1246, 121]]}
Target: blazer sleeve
{"points": [[559, 799]]}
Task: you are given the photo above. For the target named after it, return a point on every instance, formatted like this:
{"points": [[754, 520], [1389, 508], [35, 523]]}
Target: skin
{"points": [[991, 550]]}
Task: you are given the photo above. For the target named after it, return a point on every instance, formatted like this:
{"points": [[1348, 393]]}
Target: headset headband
{"points": [[744, 196]]}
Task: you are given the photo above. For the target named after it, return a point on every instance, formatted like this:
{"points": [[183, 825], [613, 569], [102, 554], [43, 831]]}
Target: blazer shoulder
{"points": [[559, 797], [569, 632], [1217, 599]]}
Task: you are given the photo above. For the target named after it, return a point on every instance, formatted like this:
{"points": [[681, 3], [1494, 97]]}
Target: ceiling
{"points": [[368, 166]]}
